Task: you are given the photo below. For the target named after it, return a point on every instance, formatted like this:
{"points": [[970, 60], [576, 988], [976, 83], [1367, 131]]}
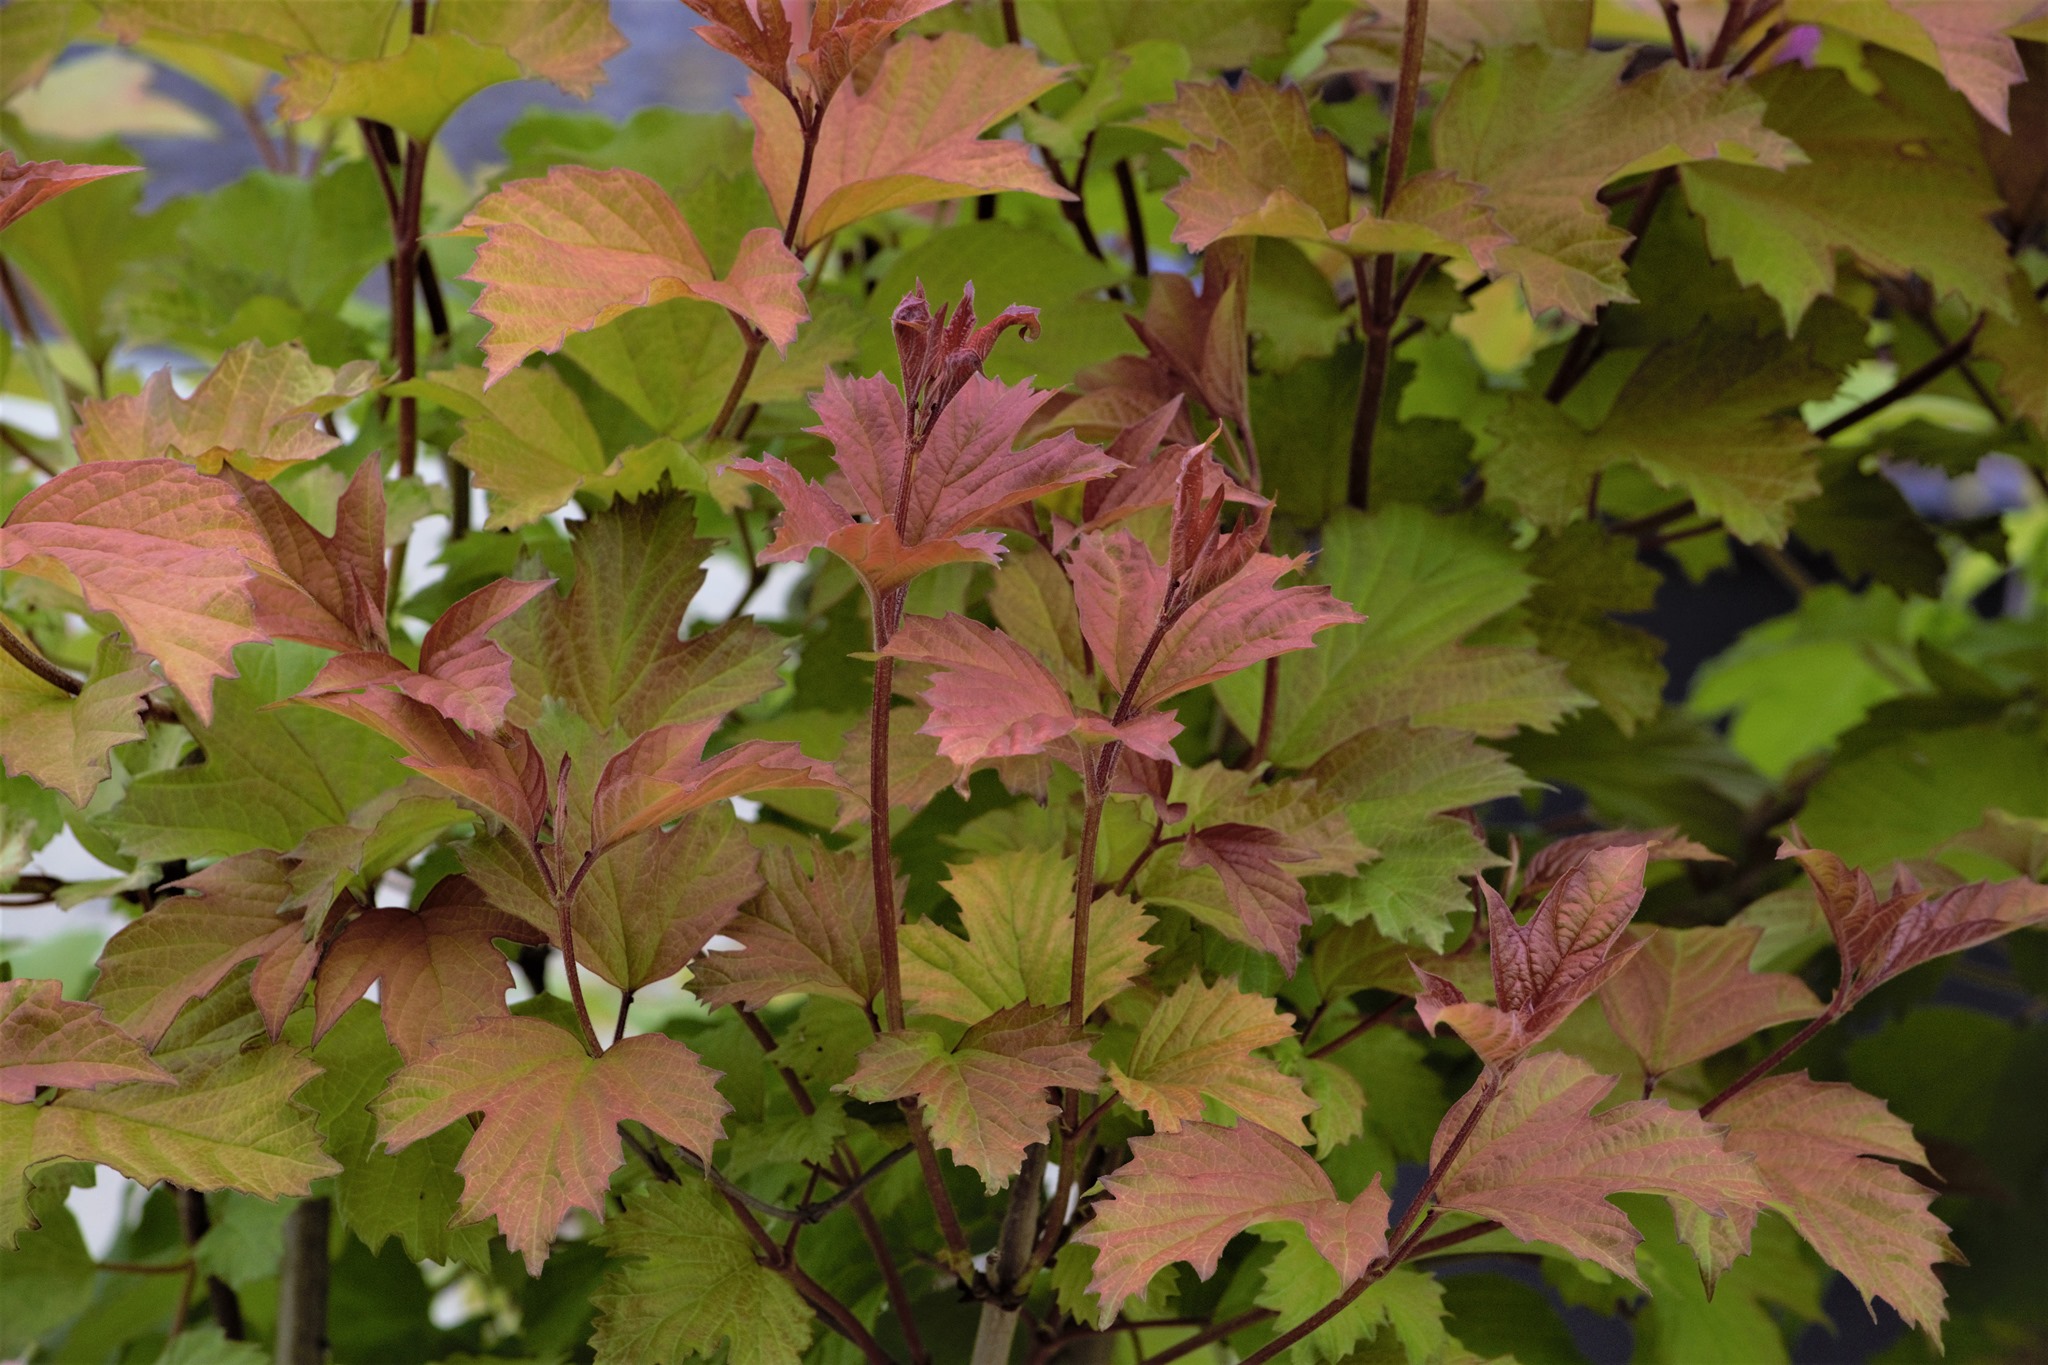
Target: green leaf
{"points": [[1299, 1282], [670, 364], [271, 777], [1895, 180], [1233, 33], [1416, 884], [685, 1280], [208, 1345], [245, 1242], [64, 741], [1682, 1325], [49, 1276], [1202, 1043], [1587, 577]]}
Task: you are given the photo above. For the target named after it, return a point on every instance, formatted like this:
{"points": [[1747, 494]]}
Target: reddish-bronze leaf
{"points": [[505, 778], [1543, 1163], [48, 1040], [25, 184], [804, 48], [1544, 970], [440, 969], [1183, 1195], [1252, 861], [329, 590], [549, 1140], [813, 935], [1689, 993], [577, 248], [1552, 861], [663, 775], [984, 1097], [1201, 1043]]}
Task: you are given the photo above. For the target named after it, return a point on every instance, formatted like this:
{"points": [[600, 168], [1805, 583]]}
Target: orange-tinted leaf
{"points": [[1252, 861], [259, 410], [804, 48], [439, 967], [507, 779], [912, 137], [1544, 970], [165, 550], [1195, 341], [985, 1098], [1690, 993], [566, 42], [549, 1140], [48, 1040], [1183, 1195], [663, 775], [1543, 1163], [577, 248], [1815, 1146], [1243, 621], [812, 935], [1201, 1043], [25, 184], [330, 589], [1555, 859]]}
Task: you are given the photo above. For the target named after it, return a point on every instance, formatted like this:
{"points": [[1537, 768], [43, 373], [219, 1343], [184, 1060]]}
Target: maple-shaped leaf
{"points": [[167, 551], [1017, 910], [1184, 1195], [804, 934], [1878, 939], [228, 1120], [1541, 1162], [912, 137], [991, 698], [1543, 129], [330, 589], [683, 1280], [25, 184], [1816, 1146], [577, 248], [437, 969], [1259, 167], [1200, 1043], [414, 89], [1690, 993], [1555, 859], [985, 1097], [1253, 863], [259, 410], [549, 1140], [1545, 969], [663, 774], [463, 674], [505, 778], [187, 945], [804, 50], [1967, 43], [63, 740], [48, 1040], [610, 648]]}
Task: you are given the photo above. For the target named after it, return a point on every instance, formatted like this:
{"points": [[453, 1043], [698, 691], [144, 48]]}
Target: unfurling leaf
{"points": [[1200, 1043], [1545, 969], [1541, 1162], [1183, 1195], [1689, 993], [578, 248], [805, 51], [25, 184], [48, 1040], [985, 1097], [549, 1139]]}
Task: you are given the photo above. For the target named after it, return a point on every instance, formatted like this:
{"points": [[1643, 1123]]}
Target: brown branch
{"points": [[1134, 219], [302, 1285], [1362, 1027], [27, 452], [1771, 1062], [31, 658], [1932, 369], [192, 1225]]}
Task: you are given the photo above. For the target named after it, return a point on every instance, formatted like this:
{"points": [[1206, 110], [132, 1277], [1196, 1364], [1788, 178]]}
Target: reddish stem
{"points": [[1770, 1063]]}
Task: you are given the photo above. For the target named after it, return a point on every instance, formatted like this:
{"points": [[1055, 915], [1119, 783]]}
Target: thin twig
{"points": [[1362, 1027], [31, 658], [1771, 1062], [1932, 369], [23, 449], [1134, 219]]}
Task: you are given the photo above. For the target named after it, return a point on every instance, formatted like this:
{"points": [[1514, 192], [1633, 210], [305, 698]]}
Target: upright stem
{"points": [[1010, 1263], [302, 1285], [1134, 219], [565, 931], [404, 333], [226, 1308], [1772, 1062]]}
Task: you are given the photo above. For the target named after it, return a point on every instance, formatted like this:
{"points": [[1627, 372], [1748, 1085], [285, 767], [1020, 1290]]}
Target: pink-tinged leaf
{"points": [[985, 1098], [167, 551], [1244, 621], [1201, 1043], [1541, 1162], [463, 674], [804, 51], [810, 935], [504, 778], [259, 410], [969, 470], [48, 1040], [912, 137], [1252, 861], [440, 967], [25, 184], [1120, 594], [1184, 1195], [1552, 861], [1545, 969], [329, 590], [549, 1140], [663, 774], [864, 419], [1815, 1146], [1878, 939], [64, 741], [579, 247], [1689, 993], [187, 945], [1965, 40], [1195, 342]]}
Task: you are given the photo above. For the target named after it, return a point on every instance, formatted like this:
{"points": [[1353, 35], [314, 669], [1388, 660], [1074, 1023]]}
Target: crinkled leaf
{"points": [[663, 775], [1200, 1043], [1690, 993], [813, 935]]}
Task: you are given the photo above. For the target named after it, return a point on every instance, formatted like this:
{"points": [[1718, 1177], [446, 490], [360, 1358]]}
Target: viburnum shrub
{"points": [[1157, 844]]}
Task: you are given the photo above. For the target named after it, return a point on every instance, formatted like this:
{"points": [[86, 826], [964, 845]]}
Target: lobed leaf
{"points": [[46, 1040], [1201, 1043]]}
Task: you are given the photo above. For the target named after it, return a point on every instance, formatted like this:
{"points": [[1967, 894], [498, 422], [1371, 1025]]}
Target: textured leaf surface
{"points": [[63, 741], [1201, 1043], [1184, 1195], [663, 775], [813, 935], [26, 184], [549, 1138], [48, 1040], [1690, 993]]}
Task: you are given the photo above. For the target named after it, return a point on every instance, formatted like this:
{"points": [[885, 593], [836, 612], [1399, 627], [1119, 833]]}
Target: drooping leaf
{"points": [[1201, 1043], [549, 1138], [1690, 993], [578, 247], [64, 741], [48, 1040], [1541, 1162], [813, 935], [25, 184], [1018, 913], [1816, 1147], [332, 587], [1183, 1195], [985, 1097]]}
